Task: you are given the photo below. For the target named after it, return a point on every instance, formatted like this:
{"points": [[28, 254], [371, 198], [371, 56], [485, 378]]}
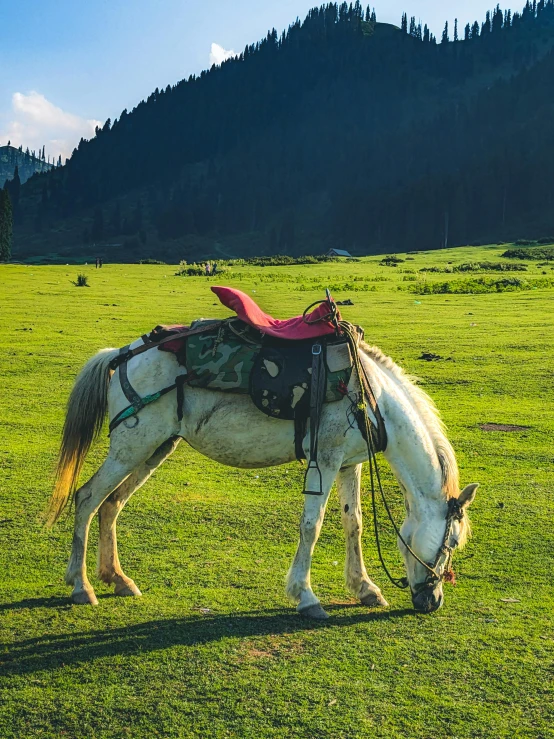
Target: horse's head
{"points": [[432, 533]]}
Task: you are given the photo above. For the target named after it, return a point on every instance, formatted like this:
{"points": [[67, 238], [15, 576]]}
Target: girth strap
{"points": [[136, 402], [300, 427]]}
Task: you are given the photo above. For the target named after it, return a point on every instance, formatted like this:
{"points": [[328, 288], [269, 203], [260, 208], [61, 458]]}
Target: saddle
{"points": [[312, 326], [289, 368]]}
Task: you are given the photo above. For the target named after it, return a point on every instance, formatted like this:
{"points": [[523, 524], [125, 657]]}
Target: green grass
{"points": [[200, 536]]}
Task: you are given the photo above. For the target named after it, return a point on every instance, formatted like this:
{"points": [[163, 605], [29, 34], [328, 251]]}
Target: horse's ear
{"points": [[467, 496]]}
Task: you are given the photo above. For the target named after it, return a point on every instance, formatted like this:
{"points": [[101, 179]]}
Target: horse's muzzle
{"points": [[428, 600]]}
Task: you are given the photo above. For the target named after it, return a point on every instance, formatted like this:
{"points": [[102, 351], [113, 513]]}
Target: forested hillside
{"points": [[341, 131], [25, 162]]}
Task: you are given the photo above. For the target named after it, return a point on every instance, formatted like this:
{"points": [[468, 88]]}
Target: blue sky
{"points": [[67, 64]]}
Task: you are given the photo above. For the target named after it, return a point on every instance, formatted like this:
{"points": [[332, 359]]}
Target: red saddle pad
{"points": [[291, 329]]}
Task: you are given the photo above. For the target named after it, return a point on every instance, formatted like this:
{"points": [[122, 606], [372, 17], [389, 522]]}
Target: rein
{"points": [[441, 566], [376, 440]]}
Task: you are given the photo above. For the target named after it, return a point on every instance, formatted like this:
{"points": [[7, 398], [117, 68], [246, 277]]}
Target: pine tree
{"points": [[467, 32], [497, 20], [6, 226], [445, 38], [455, 29], [13, 187], [426, 37], [487, 24], [404, 25]]}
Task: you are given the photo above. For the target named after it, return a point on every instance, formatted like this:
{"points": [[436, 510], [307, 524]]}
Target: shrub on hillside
{"points": [[81, 281], [196, 270], [190, 270], [391, 261], [339, 287], [151, 261], [478, 267], [479, 285], [539, 254], [280, 260]]}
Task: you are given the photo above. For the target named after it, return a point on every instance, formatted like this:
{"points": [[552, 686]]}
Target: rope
{"points": [[366, 429]]}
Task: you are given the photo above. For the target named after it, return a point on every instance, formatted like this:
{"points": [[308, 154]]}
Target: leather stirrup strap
{"points": [[313, 482]]}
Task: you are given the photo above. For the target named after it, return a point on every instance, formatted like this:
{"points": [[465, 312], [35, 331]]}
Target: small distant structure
{"points": [[338, 253]]}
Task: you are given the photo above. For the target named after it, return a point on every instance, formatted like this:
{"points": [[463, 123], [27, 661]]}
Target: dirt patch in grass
{"points": [[432, 357], [506, 427]]}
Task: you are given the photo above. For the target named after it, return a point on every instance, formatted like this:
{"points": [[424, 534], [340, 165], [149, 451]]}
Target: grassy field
{"points": [[213, 649]]}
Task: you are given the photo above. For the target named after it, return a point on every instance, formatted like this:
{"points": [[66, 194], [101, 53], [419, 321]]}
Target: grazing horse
{"points": [[228, 428]]}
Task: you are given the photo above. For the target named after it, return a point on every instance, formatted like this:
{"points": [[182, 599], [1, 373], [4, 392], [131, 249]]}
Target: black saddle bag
{"points": [[280, 379]]}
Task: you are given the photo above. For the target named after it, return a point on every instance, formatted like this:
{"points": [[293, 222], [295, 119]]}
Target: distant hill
{"points": [[28, 165], [341, 132]]}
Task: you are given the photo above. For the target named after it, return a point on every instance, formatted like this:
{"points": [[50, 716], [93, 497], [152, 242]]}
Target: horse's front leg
{"points": [[109, 567], [298, 586], [357, 580]]}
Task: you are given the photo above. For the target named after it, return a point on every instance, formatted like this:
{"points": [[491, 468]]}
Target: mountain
{"points": [[27, 163], [340, 132]]}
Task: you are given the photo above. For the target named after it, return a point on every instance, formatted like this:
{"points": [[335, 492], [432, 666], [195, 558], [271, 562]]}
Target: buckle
{"points": [[316, 350]]}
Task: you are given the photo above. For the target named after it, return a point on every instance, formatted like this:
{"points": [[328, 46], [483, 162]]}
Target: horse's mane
{"points": [[429, 414]]}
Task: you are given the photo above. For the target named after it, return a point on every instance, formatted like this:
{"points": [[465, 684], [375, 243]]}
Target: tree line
{"points": [[6, 226], [342, 129]]}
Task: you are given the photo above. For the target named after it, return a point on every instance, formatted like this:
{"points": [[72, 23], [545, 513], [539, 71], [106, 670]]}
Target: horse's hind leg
{"points": [[88, 499], [109, 568], [357, 580]]}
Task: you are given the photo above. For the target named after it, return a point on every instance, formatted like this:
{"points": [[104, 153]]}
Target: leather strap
{"points": [[129, 391], [317, 397], [300, 426], [130, 353]]}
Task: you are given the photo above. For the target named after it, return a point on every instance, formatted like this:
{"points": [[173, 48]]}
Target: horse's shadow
{"points": [[53, 651]]}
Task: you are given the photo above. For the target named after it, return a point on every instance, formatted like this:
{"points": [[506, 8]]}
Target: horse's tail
{"points": [[86, 408]]}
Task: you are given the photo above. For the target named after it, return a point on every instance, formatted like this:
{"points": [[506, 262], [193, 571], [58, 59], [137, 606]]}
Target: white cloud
{"points": [[35, 122], [218, 54]]}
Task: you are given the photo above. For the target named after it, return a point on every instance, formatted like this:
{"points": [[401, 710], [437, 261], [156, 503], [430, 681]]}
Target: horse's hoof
{"points": [[84, 598], [374, 600], [314, 612], [127, 589]]}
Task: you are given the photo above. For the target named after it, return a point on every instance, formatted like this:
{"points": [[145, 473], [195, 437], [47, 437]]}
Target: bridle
{"points": [[441, 569]]}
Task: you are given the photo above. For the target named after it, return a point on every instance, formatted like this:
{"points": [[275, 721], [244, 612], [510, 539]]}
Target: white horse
{"points": [[228, 428]]}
